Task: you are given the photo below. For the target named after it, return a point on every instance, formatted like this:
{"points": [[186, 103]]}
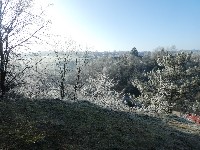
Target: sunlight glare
{"points": [[64, 25]]}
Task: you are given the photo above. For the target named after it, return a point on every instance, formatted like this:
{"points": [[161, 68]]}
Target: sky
{"points": [[107, 25]]}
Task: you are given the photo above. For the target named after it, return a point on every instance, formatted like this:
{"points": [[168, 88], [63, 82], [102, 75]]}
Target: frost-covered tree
{"points": [[99, 91], [20, 26], [173, 87]]}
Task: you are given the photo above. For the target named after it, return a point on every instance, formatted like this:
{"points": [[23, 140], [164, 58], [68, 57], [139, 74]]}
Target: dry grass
{"points": [[54, 124]]}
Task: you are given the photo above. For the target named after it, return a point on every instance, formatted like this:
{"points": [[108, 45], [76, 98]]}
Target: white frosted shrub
{"points": [[99, 91]]}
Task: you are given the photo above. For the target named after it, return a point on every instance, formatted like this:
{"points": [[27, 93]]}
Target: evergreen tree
{"points": [[134, 52], [173, 87]]}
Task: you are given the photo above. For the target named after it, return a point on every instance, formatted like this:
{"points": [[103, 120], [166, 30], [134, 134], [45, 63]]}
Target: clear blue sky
{"points": [[124, 24]]}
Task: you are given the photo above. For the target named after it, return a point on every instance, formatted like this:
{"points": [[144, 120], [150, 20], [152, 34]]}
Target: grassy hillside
{"points": [[54, 124]]}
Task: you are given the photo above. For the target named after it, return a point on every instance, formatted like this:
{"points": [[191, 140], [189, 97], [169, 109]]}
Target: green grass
{"points": [[58, 125]]}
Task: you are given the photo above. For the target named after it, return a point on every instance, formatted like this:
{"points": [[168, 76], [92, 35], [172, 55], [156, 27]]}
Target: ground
{"points": [[54, 124]]}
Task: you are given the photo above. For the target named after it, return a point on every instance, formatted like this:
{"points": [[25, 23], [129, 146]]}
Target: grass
{"points": [[57, 125]]}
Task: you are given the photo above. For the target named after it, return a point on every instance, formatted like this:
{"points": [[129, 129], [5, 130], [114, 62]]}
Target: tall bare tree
{"points": [[20, 26]]}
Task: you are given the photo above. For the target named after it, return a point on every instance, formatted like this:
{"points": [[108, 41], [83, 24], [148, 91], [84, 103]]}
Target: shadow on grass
{"points": [[54, 124]]}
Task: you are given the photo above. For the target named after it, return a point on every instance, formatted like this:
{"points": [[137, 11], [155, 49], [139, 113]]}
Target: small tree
{"points": [[19, 27]]}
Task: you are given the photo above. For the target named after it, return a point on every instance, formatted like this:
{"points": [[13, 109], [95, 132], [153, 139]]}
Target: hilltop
{"points": [[54, 124]]}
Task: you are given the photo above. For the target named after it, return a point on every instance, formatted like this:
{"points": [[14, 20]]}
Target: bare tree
{"points": [[19, 27]]}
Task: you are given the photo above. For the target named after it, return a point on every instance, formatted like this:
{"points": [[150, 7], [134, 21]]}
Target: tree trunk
{"points": [[2, 71]]}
